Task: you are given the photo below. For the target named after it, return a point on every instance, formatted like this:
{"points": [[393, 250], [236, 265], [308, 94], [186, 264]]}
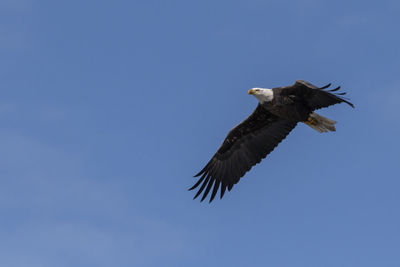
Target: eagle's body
{"points": [[290, 107], [278, 112]]}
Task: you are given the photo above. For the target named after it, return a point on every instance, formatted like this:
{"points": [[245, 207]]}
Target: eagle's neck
{"points": [[266, 95]]}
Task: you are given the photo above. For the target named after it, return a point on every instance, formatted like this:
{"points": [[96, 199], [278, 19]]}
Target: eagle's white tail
{"points": [[320, 123]]}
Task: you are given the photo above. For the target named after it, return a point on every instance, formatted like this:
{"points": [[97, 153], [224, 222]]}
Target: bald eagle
{"points": [[278, 112]]}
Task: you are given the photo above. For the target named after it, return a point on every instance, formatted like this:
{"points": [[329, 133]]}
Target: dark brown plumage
{"points": [[257, 136]]}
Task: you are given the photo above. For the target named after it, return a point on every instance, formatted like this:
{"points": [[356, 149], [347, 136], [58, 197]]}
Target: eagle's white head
{"points": [[262, 94]]}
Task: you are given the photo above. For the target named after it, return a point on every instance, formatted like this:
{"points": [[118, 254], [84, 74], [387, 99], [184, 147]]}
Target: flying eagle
{"points": [[278, 112]]}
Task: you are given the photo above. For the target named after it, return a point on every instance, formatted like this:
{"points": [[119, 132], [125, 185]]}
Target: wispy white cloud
{"points": [[56, 213], [50, 243]]}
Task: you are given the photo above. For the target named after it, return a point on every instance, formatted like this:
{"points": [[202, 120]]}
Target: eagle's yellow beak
{"points": [[251, 92]]}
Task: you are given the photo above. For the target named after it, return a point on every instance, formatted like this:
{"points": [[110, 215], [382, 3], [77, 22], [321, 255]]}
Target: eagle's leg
{"points": [[320, 123]]}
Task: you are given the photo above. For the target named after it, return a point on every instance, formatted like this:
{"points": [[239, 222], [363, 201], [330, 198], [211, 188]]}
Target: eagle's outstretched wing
{"points": [[245, 146], [316, 97]]}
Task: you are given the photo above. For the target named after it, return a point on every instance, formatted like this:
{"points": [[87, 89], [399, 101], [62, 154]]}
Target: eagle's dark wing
{"points": [[316, 97], [244, 147]]}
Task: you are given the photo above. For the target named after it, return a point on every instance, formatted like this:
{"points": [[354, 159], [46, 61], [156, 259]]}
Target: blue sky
{"points": [[108, 108]]}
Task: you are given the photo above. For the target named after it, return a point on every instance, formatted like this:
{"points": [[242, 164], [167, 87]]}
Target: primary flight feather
{"points": [[278, 112]]}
